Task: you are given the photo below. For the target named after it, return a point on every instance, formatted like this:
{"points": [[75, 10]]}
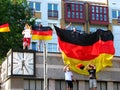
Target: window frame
{"points": [[53, 12], [116, 12], [51, 47], [34, 6], [74, 12], [98, 14]]}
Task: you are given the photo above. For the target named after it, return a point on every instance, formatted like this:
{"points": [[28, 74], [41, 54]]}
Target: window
{"points": [[34, 45], [93, 9], [53, 10], [100, 9], [78, 27], [52, 47], [35, 5], [94, 28], [116, 85], [33, 84], [98, 14], [115, 13], [31, 4], [119, 13], [74, 12]]}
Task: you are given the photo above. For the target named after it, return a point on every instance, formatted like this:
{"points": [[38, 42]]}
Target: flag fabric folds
{"points": [[45, 33], [79, 50], [4, 28]]}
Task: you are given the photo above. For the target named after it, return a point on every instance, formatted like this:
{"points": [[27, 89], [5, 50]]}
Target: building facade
{"points": [[16, 75], [85, 15], [47, 12]]}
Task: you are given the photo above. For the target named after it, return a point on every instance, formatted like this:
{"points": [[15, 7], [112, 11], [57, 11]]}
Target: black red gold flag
{"points": [[4, 28], [45, 33], [79, 50]]}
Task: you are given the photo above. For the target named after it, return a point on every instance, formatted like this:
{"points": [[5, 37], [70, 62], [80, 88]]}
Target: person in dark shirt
{"points": [[92, 77]]}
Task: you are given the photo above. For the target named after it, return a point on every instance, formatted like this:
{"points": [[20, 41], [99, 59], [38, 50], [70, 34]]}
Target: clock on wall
{"points": [[23, 63]]}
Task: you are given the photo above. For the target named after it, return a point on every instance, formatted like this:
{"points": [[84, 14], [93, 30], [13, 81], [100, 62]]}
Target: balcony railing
{"points": [[52, 14]]}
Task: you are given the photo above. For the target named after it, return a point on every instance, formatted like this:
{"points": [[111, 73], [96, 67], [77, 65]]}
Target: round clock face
{"points": [[23, 63]]}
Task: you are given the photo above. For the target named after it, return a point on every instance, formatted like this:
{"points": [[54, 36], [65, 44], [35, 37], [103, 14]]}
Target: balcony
{"points": [[52, 14], [74, 12], [98, 14]]}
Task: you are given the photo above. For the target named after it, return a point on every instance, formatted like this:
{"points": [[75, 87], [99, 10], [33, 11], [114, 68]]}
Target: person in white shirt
{"points": [[27, 35], [68, 78]]}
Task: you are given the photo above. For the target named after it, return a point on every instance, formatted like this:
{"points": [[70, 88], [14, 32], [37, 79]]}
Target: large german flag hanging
{"points": [[45, 33], [4, 28], [82, 49]]}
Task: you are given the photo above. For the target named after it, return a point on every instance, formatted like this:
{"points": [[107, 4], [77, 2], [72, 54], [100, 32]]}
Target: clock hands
{"points": [[24, 66]]}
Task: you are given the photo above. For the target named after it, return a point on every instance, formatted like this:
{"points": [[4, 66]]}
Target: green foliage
{"points": [[16, 13]]}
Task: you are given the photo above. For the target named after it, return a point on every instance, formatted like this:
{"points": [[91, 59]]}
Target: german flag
{"points": [[79, 50], [4, 28], [45, 33]]}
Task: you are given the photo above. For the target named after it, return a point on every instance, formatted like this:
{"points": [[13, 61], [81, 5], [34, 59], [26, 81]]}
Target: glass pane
{"points": [[81, 7], [26, 84], [115, 86], [97, 16], [114, 14], [105, 10], [31, 4], [79, 28], [105, 18], [49, 47], [76, 7], [73, 7], [93, 29], [55, 14], [77, 15], [93, 16], [32, 84], [93, 9], [37, 6], [68, 14], [68, 7], [33, 45], [73, 15], [49, 6], [81, 15], [118, 13], [100, 9], [103, 86], [52, 47], [101, 17], [38, 85], [55, 7], [97, 10]]}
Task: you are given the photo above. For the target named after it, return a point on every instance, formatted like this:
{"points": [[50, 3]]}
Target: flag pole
{"points": [[45, 65]]}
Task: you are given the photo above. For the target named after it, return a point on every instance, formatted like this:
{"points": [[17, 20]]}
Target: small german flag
{"points": [[45, 33], [4, 28], [79, 50]]}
